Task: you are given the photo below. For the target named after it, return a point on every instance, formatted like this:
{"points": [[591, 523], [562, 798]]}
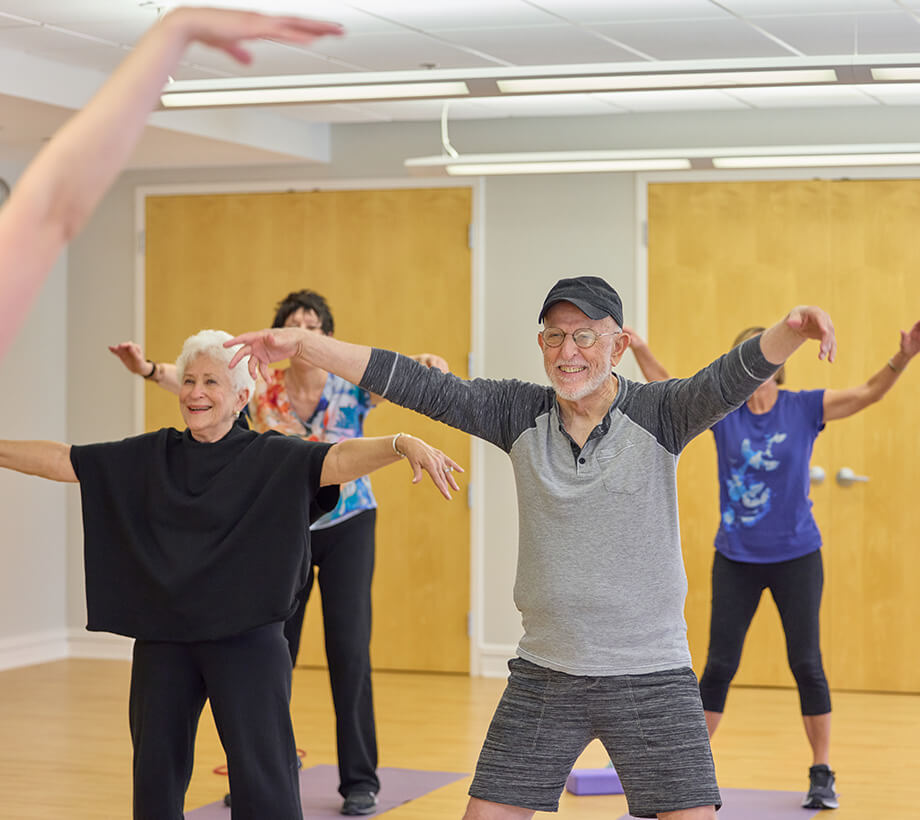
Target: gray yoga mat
{"points": [[320, 797], [752, 804]]}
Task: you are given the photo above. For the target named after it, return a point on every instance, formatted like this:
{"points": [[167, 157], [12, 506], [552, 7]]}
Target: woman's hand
{"points": [[811, 322], [910, 341], [226, 30], [422, 456], [132, 357], [432, 360]]}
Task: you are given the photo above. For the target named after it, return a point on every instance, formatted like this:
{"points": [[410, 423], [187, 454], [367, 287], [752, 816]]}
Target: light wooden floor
{"points": [[65, 751]]}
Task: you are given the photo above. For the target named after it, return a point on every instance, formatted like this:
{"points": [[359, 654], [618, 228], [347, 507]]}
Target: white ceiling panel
{"points": [[694, 39], [540, 45], [336, 11], [763, 7], [61, 12], [396, 52], [814, 35], [673, 100], [606, 11], [569, 105], [398, 35], [432, 14], [268, 59], [335, 114], [42, 42], [894, 93], [802, 96]]}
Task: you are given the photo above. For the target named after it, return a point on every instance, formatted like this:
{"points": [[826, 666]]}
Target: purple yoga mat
{"points": [[751, 804], [319, 792]]}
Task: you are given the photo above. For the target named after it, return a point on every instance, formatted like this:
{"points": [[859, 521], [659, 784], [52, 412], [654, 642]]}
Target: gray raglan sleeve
{"points": [[677, 410], [497, 411]]}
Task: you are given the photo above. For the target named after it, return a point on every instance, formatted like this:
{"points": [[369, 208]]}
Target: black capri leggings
{"points": [[736, 589]]}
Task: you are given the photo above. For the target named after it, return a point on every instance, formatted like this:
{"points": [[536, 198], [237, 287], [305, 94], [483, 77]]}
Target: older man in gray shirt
{"points": [[600, 579]]}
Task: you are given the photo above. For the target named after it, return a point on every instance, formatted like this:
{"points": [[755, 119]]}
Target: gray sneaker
{"points": [[359, 803], [821, 794]]}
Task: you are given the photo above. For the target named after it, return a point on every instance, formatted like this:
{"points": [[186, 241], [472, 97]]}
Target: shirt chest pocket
{"points": [[621, 469]]}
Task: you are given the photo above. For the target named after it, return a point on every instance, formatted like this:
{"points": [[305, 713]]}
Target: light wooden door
{"points": [[394, 266], [724, 256]]}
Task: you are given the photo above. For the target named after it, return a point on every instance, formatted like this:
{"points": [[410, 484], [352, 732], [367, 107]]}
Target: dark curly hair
{"points": [[308, 300]]}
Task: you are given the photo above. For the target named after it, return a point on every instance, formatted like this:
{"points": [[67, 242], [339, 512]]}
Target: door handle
{"points": [[816, 474], [846, 477]]}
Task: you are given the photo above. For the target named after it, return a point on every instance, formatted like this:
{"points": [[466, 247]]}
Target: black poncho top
{"points": [[192, 541]]}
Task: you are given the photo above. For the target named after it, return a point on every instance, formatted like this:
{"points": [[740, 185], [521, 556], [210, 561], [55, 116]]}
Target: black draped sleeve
{"points": [[191, 541]]}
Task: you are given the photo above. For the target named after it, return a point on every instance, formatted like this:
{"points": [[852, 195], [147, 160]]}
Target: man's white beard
{"points": [[593, 383]]}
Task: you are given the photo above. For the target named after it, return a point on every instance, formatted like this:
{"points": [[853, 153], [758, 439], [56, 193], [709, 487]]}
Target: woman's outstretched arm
{"points": [[838, 404], [64, 183], [45, 459]]}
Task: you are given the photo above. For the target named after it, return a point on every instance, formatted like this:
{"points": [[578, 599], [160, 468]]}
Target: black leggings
{"points": [[736, 589], [344, 554]]}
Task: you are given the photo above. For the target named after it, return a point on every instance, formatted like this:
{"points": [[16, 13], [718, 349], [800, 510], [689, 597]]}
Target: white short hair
{"points": [[211, 343]]}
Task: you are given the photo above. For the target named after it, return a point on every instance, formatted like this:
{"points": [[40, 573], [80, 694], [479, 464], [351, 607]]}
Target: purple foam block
{"points": [[594, 781]]}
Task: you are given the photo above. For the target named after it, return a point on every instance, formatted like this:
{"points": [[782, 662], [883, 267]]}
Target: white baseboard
{"points": [[99, 645], [37, 647], [55, 645], [493, 660]]}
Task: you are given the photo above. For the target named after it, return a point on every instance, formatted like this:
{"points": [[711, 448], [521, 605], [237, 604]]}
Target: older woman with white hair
{"points": [[195, 545]]}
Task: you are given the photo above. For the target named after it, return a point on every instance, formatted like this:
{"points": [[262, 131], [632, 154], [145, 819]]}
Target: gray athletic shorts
{"points": [[651, 725]]}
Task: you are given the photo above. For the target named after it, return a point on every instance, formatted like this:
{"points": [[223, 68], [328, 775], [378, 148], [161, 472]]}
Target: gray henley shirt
{"points": [[600, 578]]}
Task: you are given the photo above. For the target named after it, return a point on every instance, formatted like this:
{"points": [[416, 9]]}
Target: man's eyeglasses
{"points": [[584, 337]]}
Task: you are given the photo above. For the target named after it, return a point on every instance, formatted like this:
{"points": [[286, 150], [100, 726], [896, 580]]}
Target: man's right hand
{"points": [[132, 357]]}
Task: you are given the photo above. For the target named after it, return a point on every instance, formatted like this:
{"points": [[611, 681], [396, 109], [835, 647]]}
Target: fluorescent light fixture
{"points": [[312, 94], [666, 159], [896, 73], [474, 169], [816, 160], [689, 79]]}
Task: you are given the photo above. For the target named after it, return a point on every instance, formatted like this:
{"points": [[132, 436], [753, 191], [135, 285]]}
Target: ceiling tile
{"points": [[425, 14], [629, 11], [763, 7], [879, 33], [268, 59], [61, 12], [894, 93], [398, 52], [328, 113], [694, 39], [540, 45], [571, 105], [802, 96], [672, 100]]}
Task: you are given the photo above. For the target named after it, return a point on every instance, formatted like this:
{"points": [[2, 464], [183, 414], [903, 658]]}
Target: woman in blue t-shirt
{"points": [[768, 538]]}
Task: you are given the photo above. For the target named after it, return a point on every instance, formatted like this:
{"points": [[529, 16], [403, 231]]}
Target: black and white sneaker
{"points": [[821, 794], [360, 803]]}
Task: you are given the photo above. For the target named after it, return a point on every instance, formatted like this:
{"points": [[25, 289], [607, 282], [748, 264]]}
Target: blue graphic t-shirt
{"points": [[763, 479]]}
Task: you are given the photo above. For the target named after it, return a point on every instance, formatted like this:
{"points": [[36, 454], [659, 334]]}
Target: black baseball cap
{"points": [[590, 294]]}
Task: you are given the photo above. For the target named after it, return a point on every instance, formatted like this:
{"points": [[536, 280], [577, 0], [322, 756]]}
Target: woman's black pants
{"points": [[247, 679], [344, 555]]}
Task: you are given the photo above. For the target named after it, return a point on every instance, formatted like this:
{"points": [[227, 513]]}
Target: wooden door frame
{"points": [[479, 656]]}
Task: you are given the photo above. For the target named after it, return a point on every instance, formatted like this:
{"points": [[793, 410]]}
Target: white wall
{"points": [[33, 543]]}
